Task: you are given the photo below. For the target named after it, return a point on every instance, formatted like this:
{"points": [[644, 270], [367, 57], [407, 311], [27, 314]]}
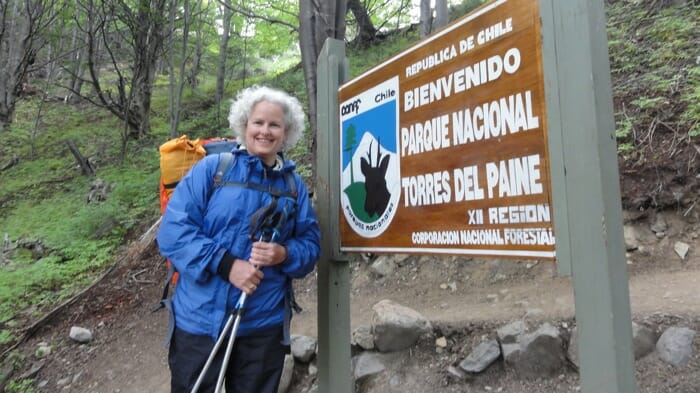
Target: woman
{"points": [[206, 233]]}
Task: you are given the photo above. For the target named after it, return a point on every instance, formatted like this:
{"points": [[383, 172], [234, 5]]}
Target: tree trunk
{"points": [[76, 67], [12, 30], [366, 30], [309, 56], [177, 77], [148, 41], [223, 51], [193, 74], [426, 18], [21, 25], [441, 14], [319, 21]]}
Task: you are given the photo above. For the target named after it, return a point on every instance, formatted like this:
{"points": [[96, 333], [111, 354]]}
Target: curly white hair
{"points": [[247, 98]]}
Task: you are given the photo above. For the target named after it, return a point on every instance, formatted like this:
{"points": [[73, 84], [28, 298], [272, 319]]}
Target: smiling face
{"points": [[265, 131]]}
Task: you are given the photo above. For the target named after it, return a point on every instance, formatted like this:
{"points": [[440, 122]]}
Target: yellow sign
{"points": [[444, 146]]}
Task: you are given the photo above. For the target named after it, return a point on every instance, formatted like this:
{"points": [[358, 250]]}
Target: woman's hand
{"points": [[267, 254], [245, 276]]}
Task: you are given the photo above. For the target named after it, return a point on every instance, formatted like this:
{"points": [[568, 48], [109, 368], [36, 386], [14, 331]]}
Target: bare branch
{"points": [[251, 14]]}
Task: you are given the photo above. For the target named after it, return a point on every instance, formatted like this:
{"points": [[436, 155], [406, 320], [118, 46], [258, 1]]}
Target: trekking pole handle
{"points": [[244, 296]]}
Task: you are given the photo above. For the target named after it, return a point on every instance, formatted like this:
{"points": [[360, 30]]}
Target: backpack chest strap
{"points": [[274, 191], [226, 161]]}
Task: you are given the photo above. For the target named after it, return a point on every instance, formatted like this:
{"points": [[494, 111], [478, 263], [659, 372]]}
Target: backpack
{"points": [[178, 155]]}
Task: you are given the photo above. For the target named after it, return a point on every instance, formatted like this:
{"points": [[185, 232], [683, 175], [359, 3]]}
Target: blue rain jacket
{"points": [[201, 222]]}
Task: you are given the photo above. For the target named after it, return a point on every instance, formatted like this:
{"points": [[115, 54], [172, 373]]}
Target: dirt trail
{"points": [[674, 293], [128, 355]]}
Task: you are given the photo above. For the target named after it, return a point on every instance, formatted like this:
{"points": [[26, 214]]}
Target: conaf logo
{"points": [[370, 178], [352, 107]]}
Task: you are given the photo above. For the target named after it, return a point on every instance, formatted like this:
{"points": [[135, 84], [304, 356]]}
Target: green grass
{"points": [[654, 67], [44, 201]]}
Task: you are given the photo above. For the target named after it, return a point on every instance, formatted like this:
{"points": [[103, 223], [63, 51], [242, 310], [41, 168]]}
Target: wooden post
{"points": [[586, 190], [334, 369]]}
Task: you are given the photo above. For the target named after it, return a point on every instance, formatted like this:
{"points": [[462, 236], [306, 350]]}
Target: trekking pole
{"points": [[234, 330], [212, 354], [232, 320], [231, 340], [235, 320]]}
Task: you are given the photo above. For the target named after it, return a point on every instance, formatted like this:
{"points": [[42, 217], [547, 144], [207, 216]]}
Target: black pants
{"points": [[255, 366]]}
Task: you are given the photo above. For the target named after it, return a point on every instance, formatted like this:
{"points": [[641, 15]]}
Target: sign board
{"points": [[444, 146]]}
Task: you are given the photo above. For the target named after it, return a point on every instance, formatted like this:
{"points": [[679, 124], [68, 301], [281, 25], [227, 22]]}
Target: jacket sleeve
{"points": [[304, 247], [182, 235]]}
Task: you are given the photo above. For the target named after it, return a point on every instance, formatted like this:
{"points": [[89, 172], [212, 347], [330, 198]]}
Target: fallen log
{"points": [[85, 165], [10, 164]]}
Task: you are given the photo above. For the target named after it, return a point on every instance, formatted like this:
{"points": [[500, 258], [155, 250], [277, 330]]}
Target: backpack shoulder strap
{"points": [[291, 184], [226, 160]]}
